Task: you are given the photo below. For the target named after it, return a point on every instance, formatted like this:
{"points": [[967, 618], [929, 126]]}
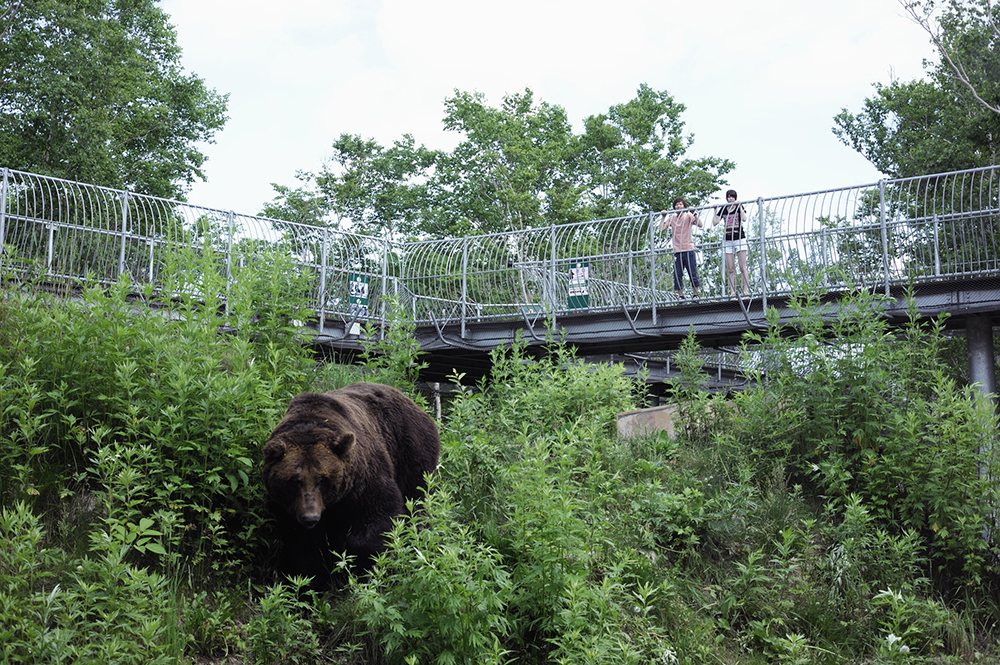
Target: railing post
{"points": [[553, 302], [385, 282], [152, 244], [51, 248], [937, 247], [465, 283], [652, 264], [885, 233], [121, 253], [631, 283], [761, 230], [723, 271], [324, 257], [826, 263], [231, 218], [3, 216]]}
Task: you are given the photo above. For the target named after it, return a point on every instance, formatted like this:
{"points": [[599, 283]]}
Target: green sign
{"points": [[357, 294], [579, 295]]}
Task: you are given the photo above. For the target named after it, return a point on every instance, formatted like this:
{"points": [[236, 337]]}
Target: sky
{"points": [[761, 81]]}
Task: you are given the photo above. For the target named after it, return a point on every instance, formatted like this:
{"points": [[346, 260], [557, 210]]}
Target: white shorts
{"points": [[734, 246]]}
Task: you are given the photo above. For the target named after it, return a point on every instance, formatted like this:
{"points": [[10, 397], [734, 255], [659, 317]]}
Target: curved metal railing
{"points": [[935, 227]]}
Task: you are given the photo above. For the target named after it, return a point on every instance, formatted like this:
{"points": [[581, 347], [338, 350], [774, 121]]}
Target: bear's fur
{"points": [[338, 468]]}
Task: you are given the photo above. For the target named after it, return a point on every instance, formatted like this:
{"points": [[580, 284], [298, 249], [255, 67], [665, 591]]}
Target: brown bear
{"points": [[338, 468]]}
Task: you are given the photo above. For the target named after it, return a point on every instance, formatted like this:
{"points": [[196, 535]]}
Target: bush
{"points": [[872, 416], [437, 595], [177, 407], [835, 514], [98, 608]]}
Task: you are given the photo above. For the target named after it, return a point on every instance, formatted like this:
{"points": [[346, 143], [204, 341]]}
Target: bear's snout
{"points": [[310, 509]]}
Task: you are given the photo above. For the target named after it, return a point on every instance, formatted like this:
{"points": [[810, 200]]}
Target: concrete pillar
{"points": [[979, 339]]}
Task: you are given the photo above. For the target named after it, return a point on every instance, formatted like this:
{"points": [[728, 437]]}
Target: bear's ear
{"points": [[274, 450], [343, 444]]}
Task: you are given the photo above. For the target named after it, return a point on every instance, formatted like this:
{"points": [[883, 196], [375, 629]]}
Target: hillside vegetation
{"points": [[839, 512]]}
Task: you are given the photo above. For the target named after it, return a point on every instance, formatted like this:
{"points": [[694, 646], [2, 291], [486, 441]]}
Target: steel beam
{"points": [[982, 364]]}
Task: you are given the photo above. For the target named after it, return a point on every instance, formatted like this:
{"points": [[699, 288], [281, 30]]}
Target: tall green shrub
{"points": [[99, 376], [849, 408]]}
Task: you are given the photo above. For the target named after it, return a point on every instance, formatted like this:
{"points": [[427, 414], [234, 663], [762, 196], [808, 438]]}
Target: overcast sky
{"points": [[761, 81]]}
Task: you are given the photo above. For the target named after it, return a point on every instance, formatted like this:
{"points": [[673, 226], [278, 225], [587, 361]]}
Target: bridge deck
{"points": [[617, 336]]}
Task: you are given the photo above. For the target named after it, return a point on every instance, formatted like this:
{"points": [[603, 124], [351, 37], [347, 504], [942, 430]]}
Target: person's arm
{"points": [[717, 217], [663, 221]]}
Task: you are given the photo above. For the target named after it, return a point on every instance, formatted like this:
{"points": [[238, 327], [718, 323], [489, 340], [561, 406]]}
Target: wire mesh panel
{"points": [[828, 239], [947, 224], [368, 264], [58, 229], [611, 262], [528, 272]]}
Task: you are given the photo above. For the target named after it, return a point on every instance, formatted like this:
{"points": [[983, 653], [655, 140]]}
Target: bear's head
{"points": [[307, 464]]}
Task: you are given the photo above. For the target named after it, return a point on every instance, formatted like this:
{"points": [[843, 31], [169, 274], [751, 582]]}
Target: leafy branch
{"points": [[945, 35]]}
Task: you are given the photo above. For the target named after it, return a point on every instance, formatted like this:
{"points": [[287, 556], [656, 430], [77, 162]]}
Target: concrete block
{"points": [[648, 421]]}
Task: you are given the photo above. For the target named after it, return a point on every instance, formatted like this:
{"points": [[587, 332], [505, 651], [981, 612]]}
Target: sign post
{"points": [[357, 298], [579, 295]]}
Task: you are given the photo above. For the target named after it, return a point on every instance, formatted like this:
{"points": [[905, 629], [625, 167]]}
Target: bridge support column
{"points": [[979, 338]]}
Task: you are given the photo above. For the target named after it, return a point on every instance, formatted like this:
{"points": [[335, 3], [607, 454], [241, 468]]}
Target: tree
{"points": [[303, 205], [94, 91], [921, 127], [518, 166], [381, 190], [965, 34], [940, 123], [631, 157], [7, 16], [514, 170]]}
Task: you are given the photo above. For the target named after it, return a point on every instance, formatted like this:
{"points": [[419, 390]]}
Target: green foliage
{"points": [[965, 33], [94, 92], [210, 624], [390, 354], [517, 166], [437, 595], [833, 513], [280, 631], [918, 127], [383, 191], [633, 155], [939, 123], [148, 417], [514, 170], [539, 394], [868, 414], [99, 608]]}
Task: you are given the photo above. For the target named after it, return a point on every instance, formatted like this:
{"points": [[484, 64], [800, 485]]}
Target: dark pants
{"points": [[684, 260]]}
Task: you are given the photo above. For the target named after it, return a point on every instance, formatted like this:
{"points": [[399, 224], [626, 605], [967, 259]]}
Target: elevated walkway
{"points": [[602, 286]]}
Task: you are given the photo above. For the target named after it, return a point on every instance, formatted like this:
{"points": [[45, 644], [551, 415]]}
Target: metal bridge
{"points": [[604, 286]]}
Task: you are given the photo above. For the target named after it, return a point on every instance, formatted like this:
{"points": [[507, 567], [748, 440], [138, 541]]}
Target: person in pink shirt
{"points": [[681, 224]]}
